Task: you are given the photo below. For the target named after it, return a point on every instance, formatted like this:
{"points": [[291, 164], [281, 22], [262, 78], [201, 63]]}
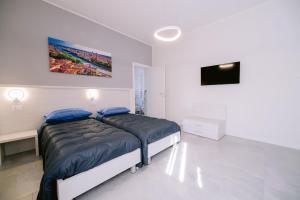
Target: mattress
{"points": [[147, 129], [74, 147]]}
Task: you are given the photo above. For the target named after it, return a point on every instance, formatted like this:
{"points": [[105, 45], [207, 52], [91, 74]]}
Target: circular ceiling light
{"points": [[157, 33]]}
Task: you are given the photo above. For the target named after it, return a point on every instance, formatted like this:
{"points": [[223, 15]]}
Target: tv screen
{"points": [[228, 73]]}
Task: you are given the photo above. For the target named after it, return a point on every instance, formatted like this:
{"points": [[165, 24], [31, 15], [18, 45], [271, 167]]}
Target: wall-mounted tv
{"points": [[228, 73]]}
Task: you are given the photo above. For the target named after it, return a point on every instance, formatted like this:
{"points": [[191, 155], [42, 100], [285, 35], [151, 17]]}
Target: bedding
{"points": [[113, 111], [73, 147], [66, 115], [147, 129]]}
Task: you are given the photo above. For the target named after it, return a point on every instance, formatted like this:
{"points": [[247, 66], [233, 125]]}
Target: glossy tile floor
{"points": [[198, 168]]}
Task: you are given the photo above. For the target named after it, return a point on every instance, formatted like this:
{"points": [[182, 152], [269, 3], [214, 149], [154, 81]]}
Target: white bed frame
{"points": [[70, 188], [74, 186], [162, 144]]}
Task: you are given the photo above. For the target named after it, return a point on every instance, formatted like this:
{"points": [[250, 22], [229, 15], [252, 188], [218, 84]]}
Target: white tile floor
{"points": [[198, 168]]}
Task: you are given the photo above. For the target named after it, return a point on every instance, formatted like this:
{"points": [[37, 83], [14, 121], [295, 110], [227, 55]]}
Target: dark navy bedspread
{"points": [[147, 129], [73, 147]]}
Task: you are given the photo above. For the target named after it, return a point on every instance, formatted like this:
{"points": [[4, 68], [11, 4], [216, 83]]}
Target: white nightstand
{"points": [[16, 137], [210, 128]]}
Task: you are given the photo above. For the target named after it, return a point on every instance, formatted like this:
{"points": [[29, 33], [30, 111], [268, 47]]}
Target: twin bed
{"points": [[149, 131], [80, 154]]}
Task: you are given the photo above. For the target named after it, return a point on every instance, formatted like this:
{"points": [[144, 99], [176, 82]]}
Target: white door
{"points": [[155, 95]]}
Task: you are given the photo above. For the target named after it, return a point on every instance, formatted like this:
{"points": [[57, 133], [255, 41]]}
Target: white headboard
{"points": [[40, 100]]}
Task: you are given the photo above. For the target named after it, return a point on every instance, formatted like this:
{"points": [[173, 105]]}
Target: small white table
{"points": [[16, 137]]}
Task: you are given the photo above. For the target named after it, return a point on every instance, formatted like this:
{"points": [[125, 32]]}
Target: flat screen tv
{"points": [[228, 73]]}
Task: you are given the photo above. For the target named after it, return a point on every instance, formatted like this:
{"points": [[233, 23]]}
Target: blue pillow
{"points": [[66, 115], [113, 111]]}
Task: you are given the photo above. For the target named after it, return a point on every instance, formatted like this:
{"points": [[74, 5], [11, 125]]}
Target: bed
{"points": [[79, 155], [155, 134]]}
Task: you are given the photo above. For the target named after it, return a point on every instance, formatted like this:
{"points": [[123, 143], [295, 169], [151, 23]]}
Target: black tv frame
{"points": [[222, 74]]}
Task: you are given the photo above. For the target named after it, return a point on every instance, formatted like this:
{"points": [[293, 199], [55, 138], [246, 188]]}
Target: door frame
{"points": [[134, 64]]}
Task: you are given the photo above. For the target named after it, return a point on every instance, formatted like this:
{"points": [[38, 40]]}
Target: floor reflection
{"points": [[182, 162], [199, 178], [171, 162]]}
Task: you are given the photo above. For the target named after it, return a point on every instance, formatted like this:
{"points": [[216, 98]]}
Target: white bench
{"points": [[210, 128], [16, 137]]}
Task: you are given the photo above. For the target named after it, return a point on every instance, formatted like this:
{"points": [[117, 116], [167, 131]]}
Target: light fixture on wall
{"points": [[158, 32], [92, 94], [16, 95]]}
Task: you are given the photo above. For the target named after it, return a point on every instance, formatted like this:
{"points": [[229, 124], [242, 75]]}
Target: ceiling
{"points": [[139, 19]]}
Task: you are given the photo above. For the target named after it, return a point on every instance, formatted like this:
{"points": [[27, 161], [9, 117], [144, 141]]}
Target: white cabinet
{"points": [[210, 128]]}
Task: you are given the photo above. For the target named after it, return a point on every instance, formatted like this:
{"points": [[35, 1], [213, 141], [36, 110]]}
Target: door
{"points": [[140, 89], [155, 98]]}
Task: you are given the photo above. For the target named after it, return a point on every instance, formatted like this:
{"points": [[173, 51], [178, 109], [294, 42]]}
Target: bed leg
{"points": [[149, 160], [133, 169]]}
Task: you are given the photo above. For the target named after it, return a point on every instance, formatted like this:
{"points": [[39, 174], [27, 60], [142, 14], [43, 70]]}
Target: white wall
{"points": [[265, 106], [24, 30]]}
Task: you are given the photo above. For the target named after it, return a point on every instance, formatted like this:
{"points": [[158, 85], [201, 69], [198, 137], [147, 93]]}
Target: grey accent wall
{"points": [[24, 29]]}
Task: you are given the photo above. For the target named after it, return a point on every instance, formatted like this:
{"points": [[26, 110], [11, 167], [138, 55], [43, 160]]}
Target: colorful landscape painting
{"points": [[68, 58]]}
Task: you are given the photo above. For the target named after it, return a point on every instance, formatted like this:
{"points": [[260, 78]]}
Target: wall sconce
{"points": [[92, 94], [16, 95]]}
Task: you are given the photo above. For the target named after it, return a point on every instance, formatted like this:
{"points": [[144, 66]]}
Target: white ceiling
{"points": [[139, 19]]}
